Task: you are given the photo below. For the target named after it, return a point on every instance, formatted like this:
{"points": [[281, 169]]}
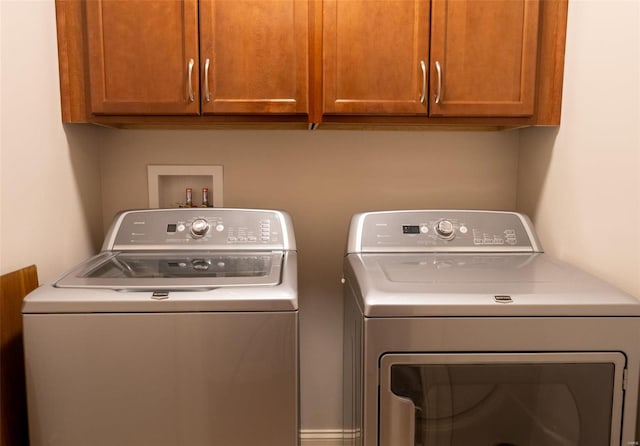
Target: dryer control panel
{"points": [[442, 230], [200, 228]]}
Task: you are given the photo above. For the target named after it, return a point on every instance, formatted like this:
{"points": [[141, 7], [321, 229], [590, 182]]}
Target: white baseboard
{"points": [[321, 437]]}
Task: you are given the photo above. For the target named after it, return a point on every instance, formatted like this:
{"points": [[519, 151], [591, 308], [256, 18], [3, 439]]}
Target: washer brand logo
{"points": [[503, 299]]}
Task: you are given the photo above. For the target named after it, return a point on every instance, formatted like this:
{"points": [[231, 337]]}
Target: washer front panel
{"points": [[162, 379]]}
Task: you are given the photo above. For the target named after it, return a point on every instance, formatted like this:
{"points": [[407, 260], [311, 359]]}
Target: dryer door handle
{"points": [[397, 420]]}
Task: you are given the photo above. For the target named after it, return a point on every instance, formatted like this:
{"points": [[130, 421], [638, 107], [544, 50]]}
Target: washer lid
{"points": [[498, 284], [176, 270], [122, 283]]}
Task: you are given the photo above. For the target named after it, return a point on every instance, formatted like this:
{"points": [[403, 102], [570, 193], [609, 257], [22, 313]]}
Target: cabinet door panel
{"points": [[487, 54], [372, 54], [257, 51], [139, 51]]}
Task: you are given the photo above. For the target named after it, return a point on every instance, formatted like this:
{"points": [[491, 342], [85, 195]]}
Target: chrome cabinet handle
{"points": [[424, 81], [207, 93], [191, 93], [439, 91]]}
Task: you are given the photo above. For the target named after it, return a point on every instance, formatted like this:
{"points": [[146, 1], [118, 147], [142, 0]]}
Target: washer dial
{"points": [[199, 227]]}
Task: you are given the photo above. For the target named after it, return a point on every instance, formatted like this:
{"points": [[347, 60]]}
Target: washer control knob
{"points": [[199, 227], [444, 228]]}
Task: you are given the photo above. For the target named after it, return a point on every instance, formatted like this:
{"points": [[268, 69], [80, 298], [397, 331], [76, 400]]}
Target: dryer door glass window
{"points": [[501, 400]]}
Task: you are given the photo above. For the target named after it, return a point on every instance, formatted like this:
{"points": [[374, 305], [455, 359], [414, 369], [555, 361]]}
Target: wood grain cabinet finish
{"points": [[277, 63], [372, 55], [176, 57], [483, 57], [254, 56], [476, 58], [143, 56], [14, 287]]}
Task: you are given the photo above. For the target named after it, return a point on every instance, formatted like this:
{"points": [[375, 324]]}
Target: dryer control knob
{"points": [[199, 227], [444, 228]]}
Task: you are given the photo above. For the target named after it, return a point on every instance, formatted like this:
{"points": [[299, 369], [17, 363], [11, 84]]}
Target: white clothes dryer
{"points": [[182, 331], [460, 331]]}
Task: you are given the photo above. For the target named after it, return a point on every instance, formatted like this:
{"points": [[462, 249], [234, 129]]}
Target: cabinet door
{"points": [[483, 57], [373, 51], [139, 56], [254, 56]]}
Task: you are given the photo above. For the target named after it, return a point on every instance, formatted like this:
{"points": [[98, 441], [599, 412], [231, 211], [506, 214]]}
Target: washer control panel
{"points": [[436, 230], [200, 228]]}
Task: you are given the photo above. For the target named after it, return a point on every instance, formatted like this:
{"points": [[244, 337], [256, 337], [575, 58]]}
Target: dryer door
{"points": [[508, 399]]}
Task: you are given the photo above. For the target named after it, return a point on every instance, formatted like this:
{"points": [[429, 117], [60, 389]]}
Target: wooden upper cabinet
{"points": [[254, 56], [483, 57], [127, 62], [479, 56], [181, 57], [373, 51], [139, 54]]}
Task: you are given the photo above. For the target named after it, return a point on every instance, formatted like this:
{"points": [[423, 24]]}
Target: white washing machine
{"points": [[182, 331], [460, 331]]}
